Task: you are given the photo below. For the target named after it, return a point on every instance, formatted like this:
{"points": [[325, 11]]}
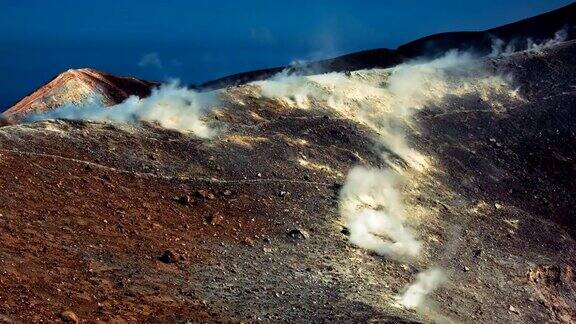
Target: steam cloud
{"points": [[171, 106], [371, 205], [414, 296], [499, 47], [150, 59], [385, 100]]}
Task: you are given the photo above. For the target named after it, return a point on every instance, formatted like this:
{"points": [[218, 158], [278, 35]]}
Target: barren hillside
{"points": [[136, 222]]}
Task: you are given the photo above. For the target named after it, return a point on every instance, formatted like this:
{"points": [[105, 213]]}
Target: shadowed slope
{"points": [[538, 28]]}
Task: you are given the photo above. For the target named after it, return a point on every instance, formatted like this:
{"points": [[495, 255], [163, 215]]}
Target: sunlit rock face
{"points": [[79, 87]]}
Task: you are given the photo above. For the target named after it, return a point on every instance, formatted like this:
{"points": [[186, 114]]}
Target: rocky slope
{"points": [[233, 205], [140, 223]]}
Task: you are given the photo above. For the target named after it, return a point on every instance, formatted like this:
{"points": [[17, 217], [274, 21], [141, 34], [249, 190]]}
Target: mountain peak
{"points": [[77, 86]]}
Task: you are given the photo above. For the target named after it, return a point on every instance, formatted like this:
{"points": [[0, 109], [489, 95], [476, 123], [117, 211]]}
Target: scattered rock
{"points": [[337, 187], [215, 219], [69, 317], [444, 206], [183, 200], [477, 253], [205, 194], [4, 121], [298, 234], [248, 242], [170, 256]]}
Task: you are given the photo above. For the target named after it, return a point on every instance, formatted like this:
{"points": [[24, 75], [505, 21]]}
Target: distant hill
{"points": [[538, 28], [76, 86]]}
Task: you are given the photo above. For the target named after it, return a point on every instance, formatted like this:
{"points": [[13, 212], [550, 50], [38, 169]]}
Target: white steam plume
{"points": [[371, 205], [414, 296], [171, 106], [500, 47], [386, 99]]}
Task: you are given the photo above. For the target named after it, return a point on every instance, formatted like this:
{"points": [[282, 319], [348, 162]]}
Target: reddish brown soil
{"points": [[68, 246]]}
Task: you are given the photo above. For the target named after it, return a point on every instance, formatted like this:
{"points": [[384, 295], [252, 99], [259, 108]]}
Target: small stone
{"points": [[205, 194], [215, 219], [497, 206], [477, 253], [283, 193], [336, 186], [170, 256], [69, 317], [183, 200], [298, 234], [227, 192], [466, 269], [513, 309], [248, 242]]}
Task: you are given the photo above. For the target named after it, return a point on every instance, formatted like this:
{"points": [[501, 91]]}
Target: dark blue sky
{"points": [[200, 40]]}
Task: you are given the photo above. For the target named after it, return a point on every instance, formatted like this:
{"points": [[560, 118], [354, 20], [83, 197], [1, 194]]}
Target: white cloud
{"points": [[150, 59]]}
